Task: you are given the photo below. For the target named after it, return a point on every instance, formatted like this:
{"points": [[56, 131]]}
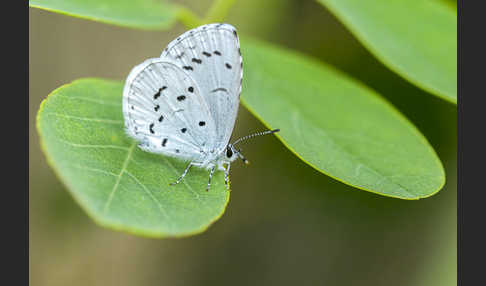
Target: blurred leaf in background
{"points": [[142, 14], [415, 38]]}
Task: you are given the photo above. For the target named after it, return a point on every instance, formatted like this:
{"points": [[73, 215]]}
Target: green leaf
{"points": [[337, 125], [415, 38], [117, 184], [142, 14]]}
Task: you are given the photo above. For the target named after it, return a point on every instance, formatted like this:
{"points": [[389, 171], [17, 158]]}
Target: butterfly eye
{"points": [[229, 153]]}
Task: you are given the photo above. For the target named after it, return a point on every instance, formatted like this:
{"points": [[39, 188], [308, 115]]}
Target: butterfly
{"points": [[184, 103]]}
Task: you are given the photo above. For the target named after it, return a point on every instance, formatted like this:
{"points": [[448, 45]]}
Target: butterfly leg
{"points": [[182, 176], [226, 173], [210, 177], [243, 158]]}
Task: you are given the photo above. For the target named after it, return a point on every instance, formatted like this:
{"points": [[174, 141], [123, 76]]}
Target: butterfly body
{"points": [[184, 104]]}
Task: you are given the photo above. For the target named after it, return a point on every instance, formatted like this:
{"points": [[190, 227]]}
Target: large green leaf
{"points": [[120, 186], [337, 125], [415, 38], [143, 14]]}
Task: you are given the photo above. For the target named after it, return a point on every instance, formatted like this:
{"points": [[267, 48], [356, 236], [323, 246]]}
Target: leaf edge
{"points": [[159, 27]]}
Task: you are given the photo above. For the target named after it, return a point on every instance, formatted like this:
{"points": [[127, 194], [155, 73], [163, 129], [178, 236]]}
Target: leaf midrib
{"points": [[118, 179], [348, 154]]}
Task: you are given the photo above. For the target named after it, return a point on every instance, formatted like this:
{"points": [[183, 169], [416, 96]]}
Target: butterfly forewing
{"points": [[211, 56], [164, 109]]}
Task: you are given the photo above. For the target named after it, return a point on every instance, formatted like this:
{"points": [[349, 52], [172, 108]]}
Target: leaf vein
{"points": [[184, 181], [124, 167], [102, 102], [93, 146], [94, 170], [162, 210], [101, 120], [295, 119]]}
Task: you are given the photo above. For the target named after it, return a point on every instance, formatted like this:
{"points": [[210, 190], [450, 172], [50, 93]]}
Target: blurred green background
{"points": [[286, 223]]}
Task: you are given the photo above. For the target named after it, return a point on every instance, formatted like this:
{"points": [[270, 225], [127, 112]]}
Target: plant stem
{"points": [[188, 18], [218, 11]]}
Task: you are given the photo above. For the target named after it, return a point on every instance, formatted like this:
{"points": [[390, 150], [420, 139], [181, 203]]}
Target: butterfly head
{"points": [[232, 153]]}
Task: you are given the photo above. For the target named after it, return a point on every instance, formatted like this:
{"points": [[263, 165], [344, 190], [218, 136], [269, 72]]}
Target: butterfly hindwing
{"points": [[211, 55], [164, 109]]}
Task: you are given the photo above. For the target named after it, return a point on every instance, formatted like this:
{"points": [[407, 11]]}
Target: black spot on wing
{"points": [[219, 89], [181, 97], [156, 108], [183, 130], [158, 92], [206, 54], [202, 123], [228, 66], [151, 128], [161, 118], [217, 53], [189, 68], [191, 89], [164, 142], [194, 60]]}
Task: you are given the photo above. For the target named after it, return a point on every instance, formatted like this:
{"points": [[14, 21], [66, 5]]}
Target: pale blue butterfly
{"points": [[184, 103]]}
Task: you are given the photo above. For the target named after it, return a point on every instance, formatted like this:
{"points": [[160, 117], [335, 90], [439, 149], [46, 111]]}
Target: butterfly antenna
{"points": [[255, 135]]}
